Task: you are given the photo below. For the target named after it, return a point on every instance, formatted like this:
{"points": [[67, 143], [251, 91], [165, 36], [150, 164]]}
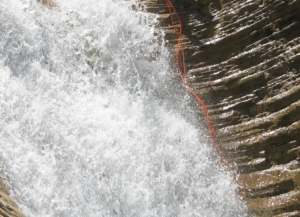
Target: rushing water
{"points": [[94, 121]]}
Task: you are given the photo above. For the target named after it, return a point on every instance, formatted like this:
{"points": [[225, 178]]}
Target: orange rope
{"points": [[183, 75]]}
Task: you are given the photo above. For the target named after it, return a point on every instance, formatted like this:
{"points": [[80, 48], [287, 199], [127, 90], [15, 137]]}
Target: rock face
{"points": [[7, 207], [243, 59]]}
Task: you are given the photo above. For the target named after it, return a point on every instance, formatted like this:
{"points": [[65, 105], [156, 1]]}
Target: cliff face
{"points": [[243, 59]]}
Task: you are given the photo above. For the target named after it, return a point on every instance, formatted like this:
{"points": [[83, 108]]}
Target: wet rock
{"points": [[243, 59], [8, 208]]}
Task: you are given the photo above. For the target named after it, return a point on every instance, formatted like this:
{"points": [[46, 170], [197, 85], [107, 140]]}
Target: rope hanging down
{"points": [[180, 62]]}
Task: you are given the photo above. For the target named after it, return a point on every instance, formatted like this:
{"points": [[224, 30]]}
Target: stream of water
{"points": [[94, 120]]}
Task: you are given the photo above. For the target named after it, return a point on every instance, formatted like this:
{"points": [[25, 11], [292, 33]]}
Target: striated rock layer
{"points": [[243, 59]]}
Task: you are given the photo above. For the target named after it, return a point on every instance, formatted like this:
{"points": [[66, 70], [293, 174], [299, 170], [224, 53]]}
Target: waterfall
{"points": [[94, 120]]}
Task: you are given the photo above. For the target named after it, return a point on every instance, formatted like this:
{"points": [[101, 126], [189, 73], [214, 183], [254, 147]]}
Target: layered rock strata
{"points": [[243, 59]]}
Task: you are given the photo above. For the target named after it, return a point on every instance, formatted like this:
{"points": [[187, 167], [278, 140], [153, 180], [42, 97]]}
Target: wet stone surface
{"points": [[243, 59], [8, 208]]}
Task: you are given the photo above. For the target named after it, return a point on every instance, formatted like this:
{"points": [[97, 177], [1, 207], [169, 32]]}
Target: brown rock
{"points": [[243, 59], [8, 208]]}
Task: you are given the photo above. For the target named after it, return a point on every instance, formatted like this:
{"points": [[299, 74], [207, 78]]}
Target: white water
{"points": [[93, 120]]}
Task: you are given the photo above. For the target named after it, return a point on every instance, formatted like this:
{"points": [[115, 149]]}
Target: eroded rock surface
{"points": [[7, 206], [243, 59]]}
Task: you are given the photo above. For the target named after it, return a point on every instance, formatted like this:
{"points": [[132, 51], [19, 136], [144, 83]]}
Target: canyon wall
{"points": [[243, 59]]}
